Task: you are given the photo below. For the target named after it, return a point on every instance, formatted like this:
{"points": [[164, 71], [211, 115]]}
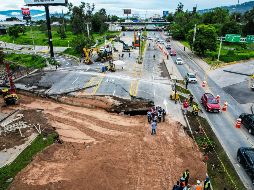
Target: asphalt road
{"points": [[223, 124]]}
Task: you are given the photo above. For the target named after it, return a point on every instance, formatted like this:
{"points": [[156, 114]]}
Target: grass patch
{"points": [[230, 52], [10, 171], [182, 90], [216, 171], [71, 51], [26, 60], [40, 37]]}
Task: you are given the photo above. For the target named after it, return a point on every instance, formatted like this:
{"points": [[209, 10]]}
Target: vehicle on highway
{"points": [[248, 121], [173, 52], [252, 87], [191, 78], [167, 39], [168, 46], [245, 156], [210, 103], [150, 38], [179, 61]]}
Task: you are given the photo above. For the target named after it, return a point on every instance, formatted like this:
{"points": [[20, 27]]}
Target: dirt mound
{"points": [[104, 150]]}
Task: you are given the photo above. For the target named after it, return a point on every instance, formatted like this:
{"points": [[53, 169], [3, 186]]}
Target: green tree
{"points": [[231, 27], [170, 17], [248, 28], [179, 8], [113, 18], [61, 32], [80, 42], [1, 56], [14, 31], [216, 16], [205, 39], [80, 15], [98, 21]]}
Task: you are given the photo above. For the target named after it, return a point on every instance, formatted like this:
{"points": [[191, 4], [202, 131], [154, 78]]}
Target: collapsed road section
{"points": [[104, 150]]}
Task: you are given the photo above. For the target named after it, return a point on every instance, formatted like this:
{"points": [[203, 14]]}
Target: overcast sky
{"points": [[140, 7]]}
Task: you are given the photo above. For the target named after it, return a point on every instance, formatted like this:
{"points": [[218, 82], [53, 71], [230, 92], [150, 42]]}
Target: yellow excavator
{"points": [[88, 55], [104, 54]]}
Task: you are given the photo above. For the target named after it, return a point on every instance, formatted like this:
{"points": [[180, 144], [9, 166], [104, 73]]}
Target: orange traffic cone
{"points": [[203, 83], [238, 123], [225, 106]]}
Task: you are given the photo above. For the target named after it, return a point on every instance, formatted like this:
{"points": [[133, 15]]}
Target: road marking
{"points": [[165, 103], [67, 63], [114, 92], [75, 80], [98, 85]]}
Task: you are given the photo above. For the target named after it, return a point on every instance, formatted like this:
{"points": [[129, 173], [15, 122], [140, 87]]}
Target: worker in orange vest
{"points": [[198, 186]]}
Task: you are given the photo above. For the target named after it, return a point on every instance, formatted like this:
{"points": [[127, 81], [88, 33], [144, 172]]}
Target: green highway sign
{"points": [[232, 37], [250, 39]]}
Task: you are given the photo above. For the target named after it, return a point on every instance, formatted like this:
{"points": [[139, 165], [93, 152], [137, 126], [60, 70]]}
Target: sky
{"points": [[144, 8]]}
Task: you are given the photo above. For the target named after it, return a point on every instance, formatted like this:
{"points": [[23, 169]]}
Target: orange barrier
{"points": [[203, 83], [238, 123], [225, 106]]}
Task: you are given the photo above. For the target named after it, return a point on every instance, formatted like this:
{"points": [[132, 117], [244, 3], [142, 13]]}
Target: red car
{"points": [[173, 52], [210, 103]]}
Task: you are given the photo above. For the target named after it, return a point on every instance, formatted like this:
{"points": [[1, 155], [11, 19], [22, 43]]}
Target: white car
{"points": [[179, 61], [191, 78], [168, 46], [252, 87]]}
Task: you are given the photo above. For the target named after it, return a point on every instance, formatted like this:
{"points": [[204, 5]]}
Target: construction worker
{"points": [[198, 186], [129, 54], [153, 56], [191, 99], [185, 107], [182, 182], [163, 115], [186, 84], [159, 115], [186, 176], [154, 126], [149, 116], [177, 186], [207, 184], [195, 109]]}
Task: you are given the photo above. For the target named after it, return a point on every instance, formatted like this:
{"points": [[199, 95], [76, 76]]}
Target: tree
{"points": [[80, 15], [216, 16], [14, 31], [113, 18], [61, 32], [80, 42], [205, 39], [179, 8], [237, 17], [12, 19], [231, 27], [170, 17], [98, 21], [248, 28]]}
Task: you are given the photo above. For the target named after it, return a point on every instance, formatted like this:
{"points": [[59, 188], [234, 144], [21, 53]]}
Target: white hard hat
{"points": [[198, 182]]}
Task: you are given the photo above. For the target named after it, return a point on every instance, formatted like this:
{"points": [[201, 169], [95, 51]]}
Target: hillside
{"points": [[241, 8]]}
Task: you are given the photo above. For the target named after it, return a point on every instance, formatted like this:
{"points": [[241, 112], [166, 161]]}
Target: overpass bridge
{"points": [[139, 23]]}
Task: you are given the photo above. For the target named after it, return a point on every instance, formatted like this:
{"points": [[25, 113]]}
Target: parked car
{"points": [[245, 156], [210, 103], [191, 78], [173, 52], [168, 46], [248, 121], [179, 61]]}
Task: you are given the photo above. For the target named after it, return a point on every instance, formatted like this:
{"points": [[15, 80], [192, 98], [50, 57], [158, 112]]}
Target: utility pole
{"points": [[49, 31], [219, 49], [63, 21], [194, 36], [88, 29]]}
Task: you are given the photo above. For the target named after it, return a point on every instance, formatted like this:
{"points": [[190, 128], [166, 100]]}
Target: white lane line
{"points": [[75, 80], [165, 103], [114, 93], [87, 69]]}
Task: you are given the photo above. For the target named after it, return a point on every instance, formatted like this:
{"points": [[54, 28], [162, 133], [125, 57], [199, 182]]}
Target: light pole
{"points": [[194, 37]]}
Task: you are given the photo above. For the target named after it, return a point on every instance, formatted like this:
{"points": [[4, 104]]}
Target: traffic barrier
{"points": [[225, 106], [238, 123], [218, 98], [203, 83]]}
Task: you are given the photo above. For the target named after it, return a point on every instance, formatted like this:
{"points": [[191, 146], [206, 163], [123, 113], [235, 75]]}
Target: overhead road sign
{"points": [[250, 39], [127, 11], [46, 2], [233, 38]]}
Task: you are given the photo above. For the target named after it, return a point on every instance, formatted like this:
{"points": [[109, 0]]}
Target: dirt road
{"points": [[103, 150]]}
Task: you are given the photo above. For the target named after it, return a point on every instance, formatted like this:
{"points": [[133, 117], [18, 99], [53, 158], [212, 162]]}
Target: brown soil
{"points": [[104, 150], [31, 116]]}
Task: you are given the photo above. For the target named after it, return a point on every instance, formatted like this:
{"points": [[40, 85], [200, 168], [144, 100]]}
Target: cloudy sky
{"points": [[141, 7]]}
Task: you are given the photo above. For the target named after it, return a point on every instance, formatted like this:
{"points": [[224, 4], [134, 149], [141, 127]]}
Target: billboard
{"points": [[26, 13], [127, 11], [45, 2], [165, 13]]}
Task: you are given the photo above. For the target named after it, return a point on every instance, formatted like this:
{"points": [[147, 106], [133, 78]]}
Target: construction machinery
{"points": [[125, 46], [104, 54], [136, 42], [9, 94], [111, 67]]}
